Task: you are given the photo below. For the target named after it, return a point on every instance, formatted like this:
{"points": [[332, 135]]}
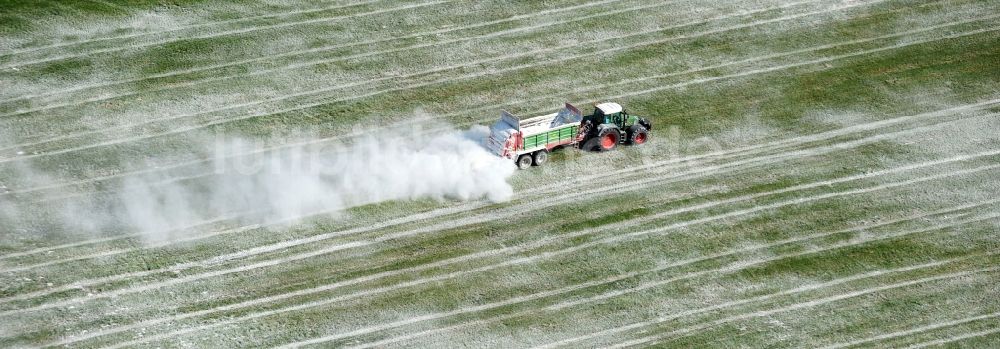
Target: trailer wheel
{"points": [[541, 157], [524, 161], [637, 135]]}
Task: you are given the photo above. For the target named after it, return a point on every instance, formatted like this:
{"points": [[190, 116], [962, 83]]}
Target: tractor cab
{"points": [[610, 113]]}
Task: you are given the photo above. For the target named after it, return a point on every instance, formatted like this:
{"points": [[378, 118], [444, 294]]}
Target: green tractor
{"points": [[610, 126]]}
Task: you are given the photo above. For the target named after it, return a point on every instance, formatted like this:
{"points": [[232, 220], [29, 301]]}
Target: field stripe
{"points": [[800, 140], [726, 270], [812, 62], [104, 239], [600, 242], [168, 312], [275, 247], [647, 91], [105, 254], [417, 85], [187, 27], [321, 49], [329, 139], [955, 338], [352, 134], [322, 90], [229, 32], [321, 303], [804, 305], [508, 262], [304, 143], [448, 225], [110, 5], [736, 266], [915, 330], [517, 210], [420, 73], [820, 47], [432, 214], [724, 65], [217, 259], [733, 303], [629, 81]]}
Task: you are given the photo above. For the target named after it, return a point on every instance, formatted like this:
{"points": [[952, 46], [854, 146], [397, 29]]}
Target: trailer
{"points": [[529, 141]]}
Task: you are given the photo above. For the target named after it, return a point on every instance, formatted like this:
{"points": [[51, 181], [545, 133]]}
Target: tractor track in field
{"points": [[914, 330], [955, 338], [813, 62], [105, 254], [113, 238], [415, 218], [816, 48], [714, 256], [802, 305], [821, 184], [634, 274], [227, 33], [323, 100], [742, 265], [326, 302], [538, 244], [822, 136], [738, 302], [629, 81], [707, 309], [182, 28], [450, 114], [383, 342], [744, 61], [396, 89], [778, 145], [353, 134], [527, 29], [543, 190], [771, 69]]}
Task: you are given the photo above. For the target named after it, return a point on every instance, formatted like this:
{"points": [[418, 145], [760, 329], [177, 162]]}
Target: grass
{"points": [[488, 275]]}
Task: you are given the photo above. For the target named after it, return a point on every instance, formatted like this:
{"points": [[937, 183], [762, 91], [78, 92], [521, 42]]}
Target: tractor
{"points": [[609, 126]]}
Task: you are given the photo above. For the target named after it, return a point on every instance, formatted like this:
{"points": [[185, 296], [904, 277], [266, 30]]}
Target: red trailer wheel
{"points": [[524, 161]]}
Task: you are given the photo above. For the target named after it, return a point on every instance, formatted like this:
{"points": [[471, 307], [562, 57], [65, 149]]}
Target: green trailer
{"points": [[529, 141]]}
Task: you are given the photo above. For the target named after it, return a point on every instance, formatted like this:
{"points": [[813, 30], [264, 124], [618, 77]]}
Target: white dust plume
{"points": [[288, 184]]}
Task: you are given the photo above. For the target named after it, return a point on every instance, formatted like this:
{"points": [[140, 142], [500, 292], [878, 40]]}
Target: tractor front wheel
{"points": [[637, 135], [524, 161]]}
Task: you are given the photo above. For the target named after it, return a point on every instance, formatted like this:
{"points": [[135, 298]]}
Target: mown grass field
{"points": [[821, 174]]}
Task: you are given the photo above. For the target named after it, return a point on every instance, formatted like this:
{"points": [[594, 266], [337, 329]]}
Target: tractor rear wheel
{"points": [[609, 138], [524, 161], [541, 157], [637, 135]]}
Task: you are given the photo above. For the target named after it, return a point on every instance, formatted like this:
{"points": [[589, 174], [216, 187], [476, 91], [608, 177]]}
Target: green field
{"points": [[820, 174]]}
